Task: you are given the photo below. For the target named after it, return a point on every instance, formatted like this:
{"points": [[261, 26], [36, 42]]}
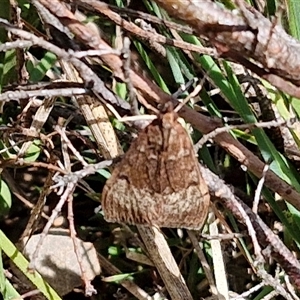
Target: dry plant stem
{"points": [[227, 128], [151, 19], [20, 163], [20, 95], [249, 292], [193, 94], [241, 36], [30, 294], [65, 144], [146, 118], [89, 289], [184, 87], [127, 284], [20, 68], [290, 288], [218, 261], [49, 19], [205, 265], [264, 234], [62, 181], [270, 296], [37, 210], [38, 121], [154, 46], [126, 66], [13, 45], [222, 236], [66, 141], [16, 190], [96, 116], [223, 223], [164, 262], [259, 189]]}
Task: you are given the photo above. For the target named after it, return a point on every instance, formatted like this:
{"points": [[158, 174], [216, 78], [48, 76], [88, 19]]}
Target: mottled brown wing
{"points": [[158, 182]]}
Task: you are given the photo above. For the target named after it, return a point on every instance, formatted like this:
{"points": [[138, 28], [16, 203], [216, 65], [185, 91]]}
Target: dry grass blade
{"points": [[218, 262], [162, 257], [96, 117]]}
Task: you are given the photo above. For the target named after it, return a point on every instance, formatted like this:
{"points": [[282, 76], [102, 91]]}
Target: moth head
{"points": [[166, 107]]}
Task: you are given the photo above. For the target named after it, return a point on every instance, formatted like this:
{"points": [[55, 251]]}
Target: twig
{"points": [[66, 140], [36, 212], [222, 236], [194, 93], [73, 178], [252, 290], [89, 288], [48, 93], [205, 265], [126, 66], [290, 288], [150, 18], [259, 189], [269, 280], [227, 128]]}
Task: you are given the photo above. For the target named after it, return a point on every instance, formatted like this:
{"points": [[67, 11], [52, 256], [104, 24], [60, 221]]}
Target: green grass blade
{"points": [[20, 261], [159, 80], [6, 288], [45, 64], [293, 13]]}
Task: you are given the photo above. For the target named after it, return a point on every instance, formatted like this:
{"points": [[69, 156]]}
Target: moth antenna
{"points": [[193, 94], [143, 101]]}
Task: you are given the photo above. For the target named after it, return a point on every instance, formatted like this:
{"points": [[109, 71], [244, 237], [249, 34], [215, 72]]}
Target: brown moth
{"points": [[158, 181]]}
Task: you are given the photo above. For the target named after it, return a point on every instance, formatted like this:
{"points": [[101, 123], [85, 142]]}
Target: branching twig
{"points": [[263, 234], [73, 178]]}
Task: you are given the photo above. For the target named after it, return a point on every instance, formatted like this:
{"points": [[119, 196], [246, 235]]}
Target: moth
{"points": [[158, 181]]}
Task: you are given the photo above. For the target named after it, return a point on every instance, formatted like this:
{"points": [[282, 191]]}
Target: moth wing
{"points": [[129, 194], [186, 195]]}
